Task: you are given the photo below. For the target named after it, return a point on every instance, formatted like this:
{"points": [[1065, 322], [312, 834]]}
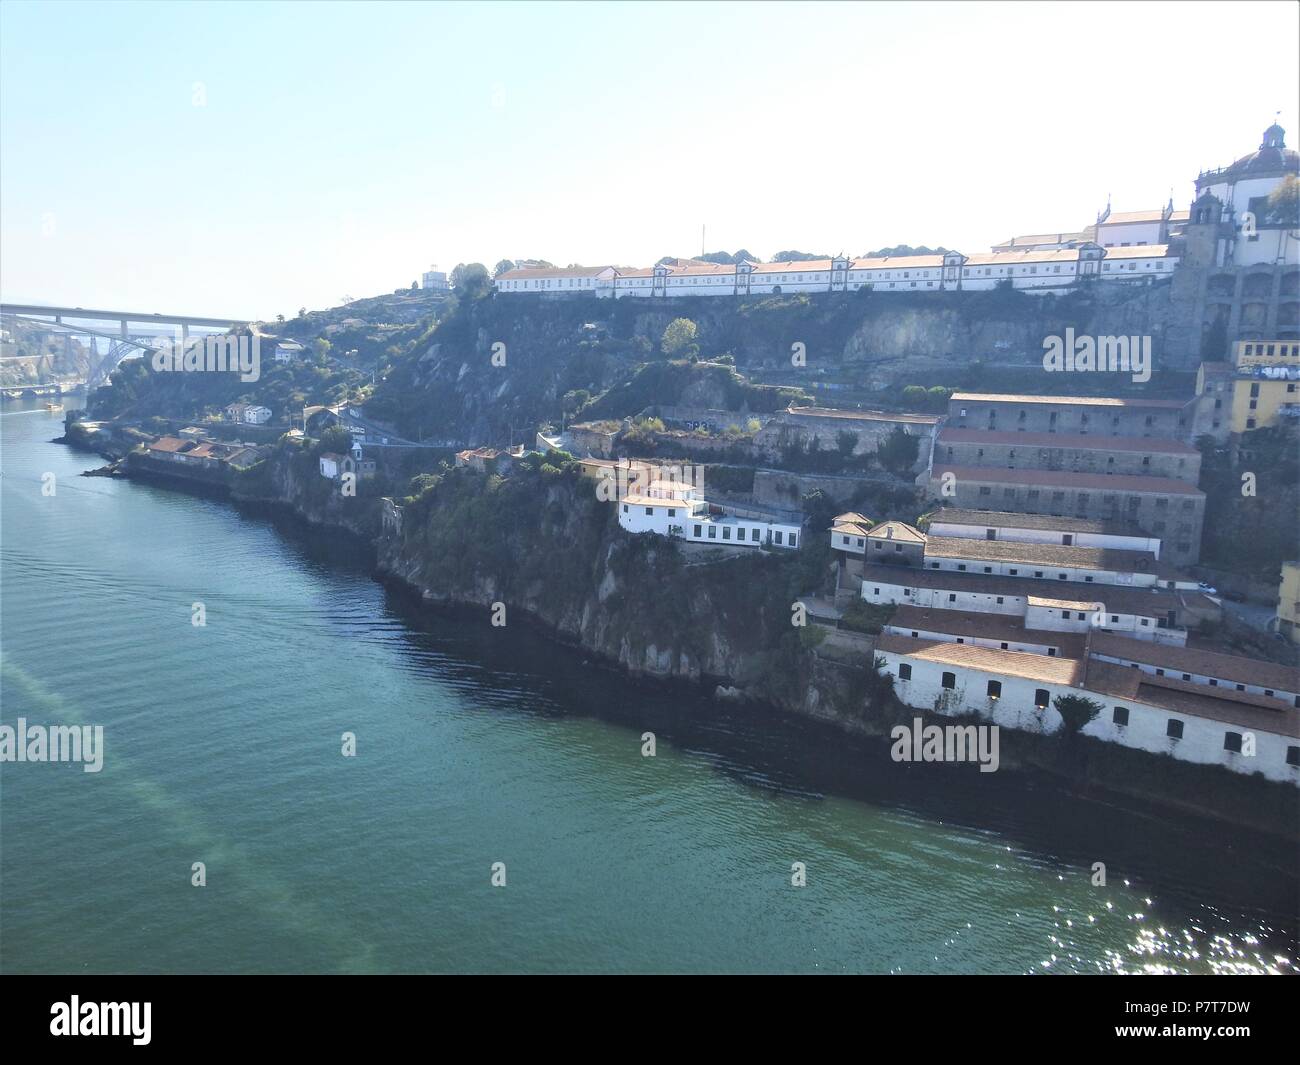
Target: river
{"points": [[478, 745]]}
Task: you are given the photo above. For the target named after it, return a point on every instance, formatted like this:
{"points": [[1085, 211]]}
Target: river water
{"points": [[478, 745]]}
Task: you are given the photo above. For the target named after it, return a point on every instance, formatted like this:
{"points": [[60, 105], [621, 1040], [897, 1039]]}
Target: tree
{"points": [[915, 396], [1076, 711], [1283, 208], [502, 267], [796, 257], [471, 281], [744, 256], [279, 318], [899, 451], [904, 249], [335, 439], [679, 338]]}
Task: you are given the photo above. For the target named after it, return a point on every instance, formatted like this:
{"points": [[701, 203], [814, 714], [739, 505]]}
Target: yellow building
{"points": [[1257, 401], [1266, 353], [1288, 602]]}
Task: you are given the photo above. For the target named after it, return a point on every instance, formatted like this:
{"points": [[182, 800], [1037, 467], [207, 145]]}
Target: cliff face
{"points": [[541, 547], [506, 361], [551, 549], [291, 478]]}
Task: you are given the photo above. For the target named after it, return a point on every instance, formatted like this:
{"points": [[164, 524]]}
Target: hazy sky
{"points": [[248, 159]]}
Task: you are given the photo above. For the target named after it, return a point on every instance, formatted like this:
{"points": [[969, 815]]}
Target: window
{"points": [[650, 510], [1293, 756], [1232, 742], [697, 530], [726, 532], [1174, 730], [1120, 716], [791, 541], [776, 537], [624, 508], [1041, 698], [713, 532], [995, 689], [952, 597], [904, 671], [950, 680], [672, 513], [753, 535]]}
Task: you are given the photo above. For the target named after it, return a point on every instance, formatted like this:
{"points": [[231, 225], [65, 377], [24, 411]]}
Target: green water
{"points": [[478, 745]]}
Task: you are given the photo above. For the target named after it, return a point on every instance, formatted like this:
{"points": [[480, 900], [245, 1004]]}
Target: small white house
{"points": [[670, 508], [288, 351], [331, 465]]}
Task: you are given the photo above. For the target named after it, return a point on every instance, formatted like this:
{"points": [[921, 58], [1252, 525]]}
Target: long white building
{"points": [[1242, 731], [1032, 269], [677, 510]]}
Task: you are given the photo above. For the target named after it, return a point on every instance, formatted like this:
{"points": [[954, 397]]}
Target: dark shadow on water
{"points": [[1191, 862]]}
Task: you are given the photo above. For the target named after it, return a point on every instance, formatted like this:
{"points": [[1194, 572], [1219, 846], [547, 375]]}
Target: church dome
{"points": [[1272, 159]]}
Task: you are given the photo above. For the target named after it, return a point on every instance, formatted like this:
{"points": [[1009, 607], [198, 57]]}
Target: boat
{"points": [[13, 393], [53, 406]]}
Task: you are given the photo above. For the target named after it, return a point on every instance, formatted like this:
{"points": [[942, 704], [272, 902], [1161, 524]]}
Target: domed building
{"points": [[1263, 231]]}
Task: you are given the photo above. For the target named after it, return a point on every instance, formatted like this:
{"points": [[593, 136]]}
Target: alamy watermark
{"points": [[1088, 354], [214, 354], [919, 742], [53, 743], [644, 479]]}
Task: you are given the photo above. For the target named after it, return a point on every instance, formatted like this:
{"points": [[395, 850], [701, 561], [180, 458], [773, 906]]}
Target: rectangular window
{"points": [[650, 510], [753, 535], [1174, 730], [1041, 698], [1232, 742], [726, 532], [698, 530], [1120, 716], [995, 689], [776, 537], [792, 543], [950, 680], [713, 532], [904, 671], [1293, 756]]}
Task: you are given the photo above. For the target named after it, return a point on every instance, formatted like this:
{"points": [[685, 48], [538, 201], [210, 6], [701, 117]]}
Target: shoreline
{"points": [[1099, 772]]}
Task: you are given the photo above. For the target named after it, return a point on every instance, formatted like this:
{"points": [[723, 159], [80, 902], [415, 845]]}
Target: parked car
{"points": [[1208, 588]]}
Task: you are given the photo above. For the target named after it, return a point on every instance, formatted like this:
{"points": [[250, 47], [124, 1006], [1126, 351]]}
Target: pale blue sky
{"points": [[343, 148]]}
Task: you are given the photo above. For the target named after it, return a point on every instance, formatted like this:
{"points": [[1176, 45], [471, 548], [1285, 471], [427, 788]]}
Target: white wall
{"points": [[878, 591], [682, 518], [1040, 571], [1202, 740], [1047, 536]]}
